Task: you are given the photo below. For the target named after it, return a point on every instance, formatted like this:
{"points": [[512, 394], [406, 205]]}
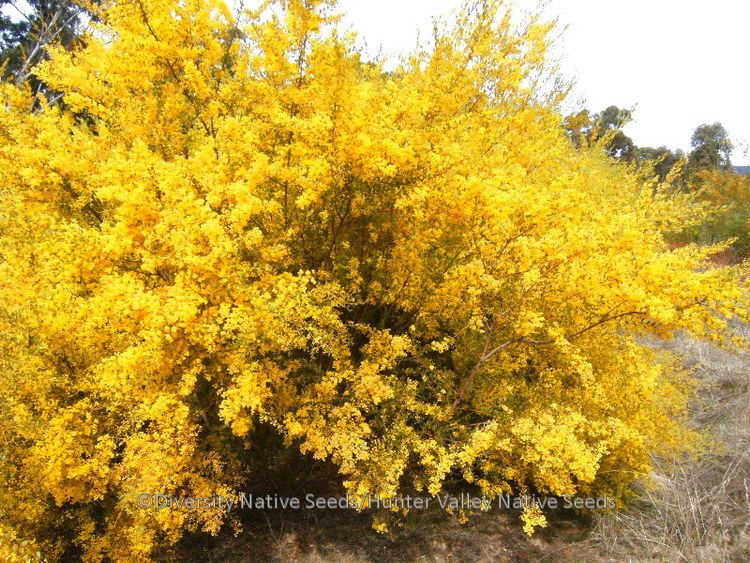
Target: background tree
{"points": [[585, 128], [610, 123], [27, 29], [712, 148], [662, 160]]}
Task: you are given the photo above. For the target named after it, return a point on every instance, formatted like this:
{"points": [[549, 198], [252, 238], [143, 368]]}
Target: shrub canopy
{"points": [[411, 273]]}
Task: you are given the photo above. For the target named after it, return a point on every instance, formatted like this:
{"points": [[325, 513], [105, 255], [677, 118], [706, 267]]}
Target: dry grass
{"points": [[696, 509]]}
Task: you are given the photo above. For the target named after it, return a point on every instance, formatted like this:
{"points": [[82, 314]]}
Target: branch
{"points": [[175, 75], [41, 42], [486, 355]]}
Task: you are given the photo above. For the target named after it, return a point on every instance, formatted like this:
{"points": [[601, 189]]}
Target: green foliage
{"points": [[711, 148]]}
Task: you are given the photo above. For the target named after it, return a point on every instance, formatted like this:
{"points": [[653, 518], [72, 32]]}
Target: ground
{"points": [[333, 536]]}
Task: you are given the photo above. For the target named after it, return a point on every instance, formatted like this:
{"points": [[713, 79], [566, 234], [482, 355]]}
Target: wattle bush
{"points": [[411, 273]]}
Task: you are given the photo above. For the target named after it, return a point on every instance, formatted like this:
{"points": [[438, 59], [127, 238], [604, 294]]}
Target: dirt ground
{"points": [[346, 536]]}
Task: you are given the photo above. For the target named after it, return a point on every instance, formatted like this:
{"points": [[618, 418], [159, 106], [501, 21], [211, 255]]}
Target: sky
{"points": [[677, 63]]}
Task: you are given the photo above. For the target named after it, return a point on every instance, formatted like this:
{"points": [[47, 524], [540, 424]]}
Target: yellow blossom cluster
{"points": [[233, 222]]}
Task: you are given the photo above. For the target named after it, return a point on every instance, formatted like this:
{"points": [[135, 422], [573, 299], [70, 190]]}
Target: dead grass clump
{"points": [[696, 508]]}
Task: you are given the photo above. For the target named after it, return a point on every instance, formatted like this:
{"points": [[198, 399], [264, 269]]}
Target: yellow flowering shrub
{"points": [[408, 272]]}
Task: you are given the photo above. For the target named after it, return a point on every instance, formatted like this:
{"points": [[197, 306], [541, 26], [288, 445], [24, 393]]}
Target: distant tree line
{"points": [[706, 170], [711, 146]]}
